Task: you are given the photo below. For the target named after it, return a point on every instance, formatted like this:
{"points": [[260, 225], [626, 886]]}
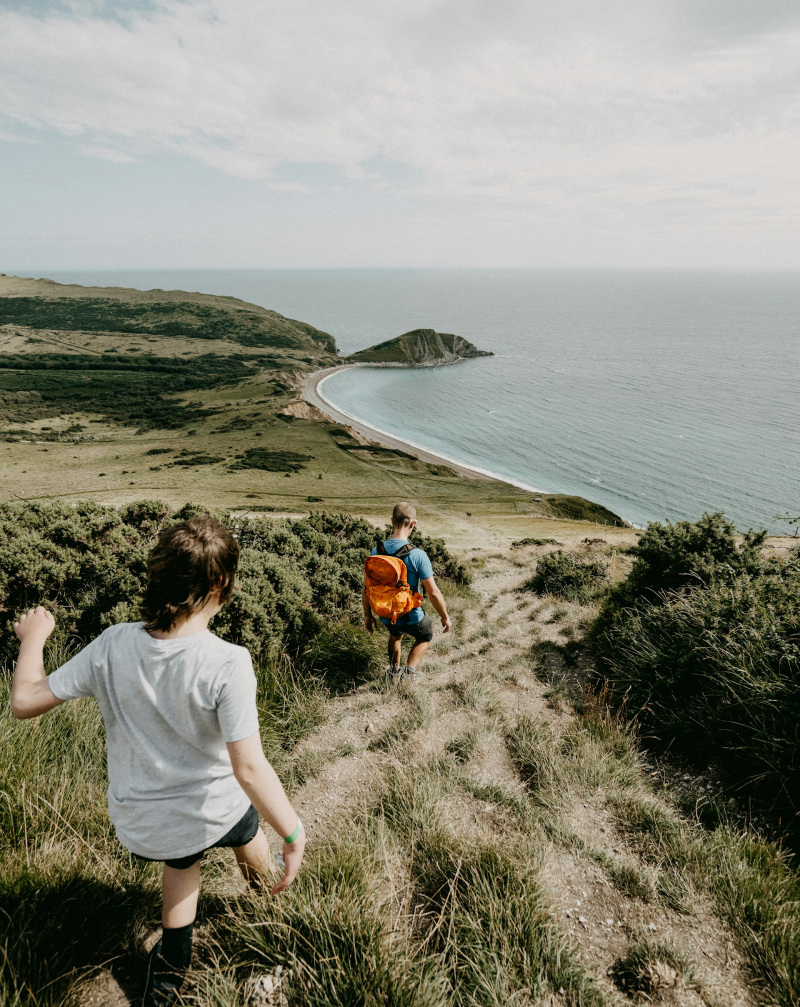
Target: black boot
{"points": [[163, 980]]}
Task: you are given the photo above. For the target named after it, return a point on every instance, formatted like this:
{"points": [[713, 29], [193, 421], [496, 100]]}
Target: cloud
{"points": [[578, 105]]}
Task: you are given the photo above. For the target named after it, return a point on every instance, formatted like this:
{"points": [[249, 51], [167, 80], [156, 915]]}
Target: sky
{"points": [[503, 133]]}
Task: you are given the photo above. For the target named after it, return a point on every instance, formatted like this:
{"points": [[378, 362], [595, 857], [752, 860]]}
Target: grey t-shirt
{"points": [[169, 707]]}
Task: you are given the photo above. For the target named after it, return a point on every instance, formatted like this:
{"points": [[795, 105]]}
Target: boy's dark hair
{"points": [[187, 563]]}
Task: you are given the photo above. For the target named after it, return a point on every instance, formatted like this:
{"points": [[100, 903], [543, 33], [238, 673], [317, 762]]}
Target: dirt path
{"points": [[480, 682]]}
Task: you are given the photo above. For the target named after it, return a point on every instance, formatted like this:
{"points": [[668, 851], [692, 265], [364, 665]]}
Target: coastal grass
{"points": [[114, 463], [70, 895], [752, 881]]}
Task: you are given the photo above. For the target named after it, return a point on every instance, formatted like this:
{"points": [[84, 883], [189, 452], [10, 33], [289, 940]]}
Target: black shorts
{"points": [[420, 632], [240, 835]]}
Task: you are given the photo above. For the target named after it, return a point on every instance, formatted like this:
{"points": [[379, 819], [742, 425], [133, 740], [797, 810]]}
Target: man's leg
{"points": [[422, 632], [417, 653], [253, 860], [171, 957], [395, 648]]}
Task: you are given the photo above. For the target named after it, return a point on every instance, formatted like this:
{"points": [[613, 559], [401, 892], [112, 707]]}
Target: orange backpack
{"points": [[386, 583]]}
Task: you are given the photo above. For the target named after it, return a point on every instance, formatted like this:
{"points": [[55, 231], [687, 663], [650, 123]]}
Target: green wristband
{"points": [[297, 829]]}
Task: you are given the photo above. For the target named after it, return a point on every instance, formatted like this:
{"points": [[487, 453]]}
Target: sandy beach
{"points": [[312, 393]]}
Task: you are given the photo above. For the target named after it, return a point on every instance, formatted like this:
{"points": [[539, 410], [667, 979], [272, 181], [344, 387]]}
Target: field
{"points": [[588, 799]]}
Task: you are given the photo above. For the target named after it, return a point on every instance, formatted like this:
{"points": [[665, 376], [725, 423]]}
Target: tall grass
{"points": [[70, 896], [753, 882]]}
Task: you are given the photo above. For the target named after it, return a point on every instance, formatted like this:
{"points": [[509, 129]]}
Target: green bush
{"points": [[702, 647], [136, 391], [87, 563], [567, 576], [669, 557]]}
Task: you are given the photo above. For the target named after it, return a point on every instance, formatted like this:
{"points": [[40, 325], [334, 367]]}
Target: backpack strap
{"points": [[401, 553]]}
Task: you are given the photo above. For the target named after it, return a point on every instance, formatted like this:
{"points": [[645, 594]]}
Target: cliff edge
{"points": [[419, 348]]}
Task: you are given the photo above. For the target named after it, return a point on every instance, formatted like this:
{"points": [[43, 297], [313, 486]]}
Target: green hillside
{"points": [[112, 394]]}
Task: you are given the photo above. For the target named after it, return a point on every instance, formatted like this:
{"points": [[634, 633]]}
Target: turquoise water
{"points": [[660, 394]]}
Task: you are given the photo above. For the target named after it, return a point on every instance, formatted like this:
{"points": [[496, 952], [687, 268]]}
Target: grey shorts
{"points": [[240, 835], [420, 632]]}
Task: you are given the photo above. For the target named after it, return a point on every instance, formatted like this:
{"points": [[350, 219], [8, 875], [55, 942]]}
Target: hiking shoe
{"points": [[406, 674], [393, 672], [163, 983]]}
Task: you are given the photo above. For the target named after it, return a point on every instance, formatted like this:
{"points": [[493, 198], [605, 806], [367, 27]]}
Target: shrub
{"points": [[716, 671], [669, 557], [87, 563], [567, 576], [702, 646]]}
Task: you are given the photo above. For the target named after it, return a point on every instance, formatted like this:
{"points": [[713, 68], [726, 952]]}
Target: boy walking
{"points": [[185, 764], [414, 623]]}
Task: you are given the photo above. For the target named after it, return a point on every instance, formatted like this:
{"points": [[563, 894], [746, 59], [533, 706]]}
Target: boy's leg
{"points": [[180, 891], [253, 860], [171, 957]]}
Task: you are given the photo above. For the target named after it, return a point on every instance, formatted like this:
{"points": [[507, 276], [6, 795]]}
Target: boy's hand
{"points": [[369, 623], [35, 625], [446, 624], [292, 858]]}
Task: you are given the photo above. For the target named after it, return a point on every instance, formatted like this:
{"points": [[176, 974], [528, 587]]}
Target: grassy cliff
{"points": [[182, 395]]}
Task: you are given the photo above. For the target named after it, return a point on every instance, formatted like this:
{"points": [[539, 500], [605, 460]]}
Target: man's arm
{"points": [[260, 782], [30, 691], [369, 621], [437, 600]]}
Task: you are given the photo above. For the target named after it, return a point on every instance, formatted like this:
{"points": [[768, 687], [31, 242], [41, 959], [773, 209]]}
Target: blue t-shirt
{"points": [[418, 567]]}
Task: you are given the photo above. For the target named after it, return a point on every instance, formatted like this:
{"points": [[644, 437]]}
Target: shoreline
{"points": [[311, 392]]}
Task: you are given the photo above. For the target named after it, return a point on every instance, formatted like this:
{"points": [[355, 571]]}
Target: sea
{"points": [[661, 394]]}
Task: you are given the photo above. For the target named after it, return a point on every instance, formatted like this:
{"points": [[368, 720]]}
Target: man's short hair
{"points": [[187, 563], [403, 514]]}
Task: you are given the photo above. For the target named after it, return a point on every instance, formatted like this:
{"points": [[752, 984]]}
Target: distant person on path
{"points": [[185, 764], [380, 594]]}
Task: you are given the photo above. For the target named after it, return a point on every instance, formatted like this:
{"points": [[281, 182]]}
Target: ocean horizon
{"points": [[660, 394]]}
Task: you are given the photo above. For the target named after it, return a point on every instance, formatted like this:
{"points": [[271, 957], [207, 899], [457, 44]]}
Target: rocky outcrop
{"points": [[297, 409], [419, 348]]}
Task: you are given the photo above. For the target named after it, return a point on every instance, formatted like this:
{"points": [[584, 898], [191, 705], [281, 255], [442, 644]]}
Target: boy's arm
{"points": [[260, 782], [437, 600], [30, 691]]}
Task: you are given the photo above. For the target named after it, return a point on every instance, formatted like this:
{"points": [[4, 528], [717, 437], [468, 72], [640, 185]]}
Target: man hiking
{"points": [[392, 592]]}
